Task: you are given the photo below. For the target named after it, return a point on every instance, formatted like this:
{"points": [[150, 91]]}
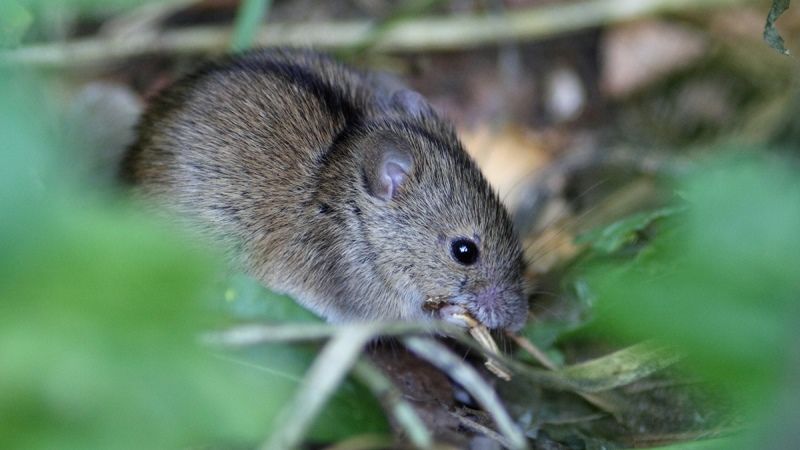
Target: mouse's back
{"points": [[334, 186]]}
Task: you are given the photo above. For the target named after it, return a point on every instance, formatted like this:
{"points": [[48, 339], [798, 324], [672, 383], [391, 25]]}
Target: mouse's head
{"points": [[435, 226]]}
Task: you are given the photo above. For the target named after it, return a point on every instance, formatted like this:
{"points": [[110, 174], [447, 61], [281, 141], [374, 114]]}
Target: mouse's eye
{"points": [[464, 251]]}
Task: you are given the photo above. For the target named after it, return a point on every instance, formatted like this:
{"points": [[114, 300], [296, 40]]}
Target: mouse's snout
{"points": [[501, 307], [497, 307]]}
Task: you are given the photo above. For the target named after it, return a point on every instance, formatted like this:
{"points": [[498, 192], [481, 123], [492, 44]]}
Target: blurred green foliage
{"points": [[86, 6], [720, 281], [102, 309], [97, 322], [14, 22], [43, 20]]}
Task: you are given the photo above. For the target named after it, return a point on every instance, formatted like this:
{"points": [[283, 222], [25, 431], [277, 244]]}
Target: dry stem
{"points": [[456, 31]]}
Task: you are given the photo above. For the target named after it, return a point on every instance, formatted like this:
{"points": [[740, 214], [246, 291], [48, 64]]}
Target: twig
{"points": [[598, 375], [601, 402], [392, 399], [457, 31], [325, 374], [255, 334], [479, 428], [533, 350], [601, 374], [250, 335], [441, 357], [144, 19]]}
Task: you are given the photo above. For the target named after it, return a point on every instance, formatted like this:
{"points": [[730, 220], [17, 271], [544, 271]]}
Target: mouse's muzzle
{"points": [[499, 307], [495, 307]]}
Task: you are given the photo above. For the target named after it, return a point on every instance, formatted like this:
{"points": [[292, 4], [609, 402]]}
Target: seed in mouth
{"points": [[458, 315], [435, 303]]}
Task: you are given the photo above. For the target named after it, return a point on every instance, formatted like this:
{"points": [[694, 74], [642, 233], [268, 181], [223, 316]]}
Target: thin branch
{"points": [[441, 357], [601, 374], [392, 399], [457, 31], [603, 403], [255, 334], [321, 381], [143, 19], [466, 422], [540, 356]]}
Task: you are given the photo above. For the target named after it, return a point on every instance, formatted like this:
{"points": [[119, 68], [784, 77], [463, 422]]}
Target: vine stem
{"points": [[457, 31]]}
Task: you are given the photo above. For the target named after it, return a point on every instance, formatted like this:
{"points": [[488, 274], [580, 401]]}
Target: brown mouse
{"points": [[337, 187]]}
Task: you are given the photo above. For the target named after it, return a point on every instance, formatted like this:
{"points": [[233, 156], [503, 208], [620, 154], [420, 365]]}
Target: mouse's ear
{"points": [[411, 102], [390, 95], [386, 167]]}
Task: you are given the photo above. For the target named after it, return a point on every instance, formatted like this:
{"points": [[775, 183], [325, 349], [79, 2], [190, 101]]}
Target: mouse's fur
{"points": [[336, 187]]}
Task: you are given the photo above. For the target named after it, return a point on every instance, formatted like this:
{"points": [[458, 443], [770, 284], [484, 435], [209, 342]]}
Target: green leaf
{"points": [[620, 368], [771, 34], [14, 22], [723, 286], [243, 298], [612, 238], [352, 411], [100, 316], [98, 341]]}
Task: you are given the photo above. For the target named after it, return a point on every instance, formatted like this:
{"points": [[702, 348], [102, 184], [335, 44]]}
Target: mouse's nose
{"points": [[489, 297], [500, 307]]}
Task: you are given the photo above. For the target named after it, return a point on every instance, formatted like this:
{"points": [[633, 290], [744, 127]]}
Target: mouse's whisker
{"points": [[552, 241], [578, 219], [547, 293]]}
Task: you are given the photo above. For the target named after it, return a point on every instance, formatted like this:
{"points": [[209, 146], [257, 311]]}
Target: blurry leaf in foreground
{"points": [[98, 348], [724, 285], [14, 22], [771, 34], [100, 314], [351, 411]]}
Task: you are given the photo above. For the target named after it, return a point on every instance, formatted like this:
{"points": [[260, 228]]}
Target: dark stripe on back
{"points": [[335, 99], [273, 62]]}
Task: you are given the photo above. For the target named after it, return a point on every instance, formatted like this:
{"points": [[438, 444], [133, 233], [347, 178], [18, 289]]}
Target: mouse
{"points": [[340, 187]]}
